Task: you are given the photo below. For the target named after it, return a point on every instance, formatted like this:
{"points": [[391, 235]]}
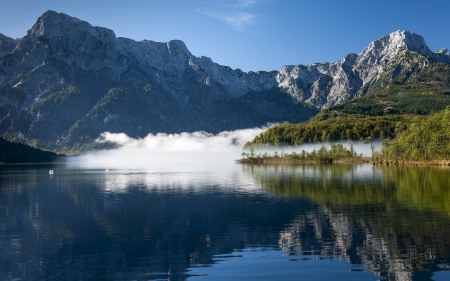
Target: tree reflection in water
{"points": [[395, 220]]}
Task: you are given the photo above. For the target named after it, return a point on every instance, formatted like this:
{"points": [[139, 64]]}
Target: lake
{"points": [[305, 222]]}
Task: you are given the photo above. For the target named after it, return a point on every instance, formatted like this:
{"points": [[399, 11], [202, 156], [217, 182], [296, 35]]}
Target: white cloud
{"points": [[240, 20], [169, 152]]}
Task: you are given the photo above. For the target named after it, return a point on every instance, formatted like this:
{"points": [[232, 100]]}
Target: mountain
{"points": [[395, 58], [67, 81]]}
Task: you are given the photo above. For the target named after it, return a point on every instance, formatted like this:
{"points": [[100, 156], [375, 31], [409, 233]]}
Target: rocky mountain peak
{"points": [[53, 23], [56, 25], [176, 47], [349, 59], [393, 44], [413, 42], [443, 51]]}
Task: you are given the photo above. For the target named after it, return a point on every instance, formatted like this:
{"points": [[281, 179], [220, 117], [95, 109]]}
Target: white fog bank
{"points": [[164, 152]]}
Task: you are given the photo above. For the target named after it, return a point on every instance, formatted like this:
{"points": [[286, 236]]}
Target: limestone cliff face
{"points": [[327, 84]]}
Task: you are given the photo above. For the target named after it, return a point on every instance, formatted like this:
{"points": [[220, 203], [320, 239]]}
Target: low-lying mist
{"points": [[162, 152]]}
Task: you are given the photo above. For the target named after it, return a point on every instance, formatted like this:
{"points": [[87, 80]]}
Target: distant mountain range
{"points": [[67, 81]]}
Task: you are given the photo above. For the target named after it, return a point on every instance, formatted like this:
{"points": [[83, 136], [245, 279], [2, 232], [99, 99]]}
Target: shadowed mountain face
{"points": [[67, 81]]}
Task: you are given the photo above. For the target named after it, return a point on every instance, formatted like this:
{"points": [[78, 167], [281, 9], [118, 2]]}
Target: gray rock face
{"points": [[67, 81], [176, 62]]}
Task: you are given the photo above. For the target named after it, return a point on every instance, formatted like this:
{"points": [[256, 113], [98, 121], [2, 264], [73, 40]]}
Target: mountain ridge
{"points": [[66, 81], [55, 25]]}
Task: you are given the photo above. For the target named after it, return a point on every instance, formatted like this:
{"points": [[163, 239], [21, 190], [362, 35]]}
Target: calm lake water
{"points": [[312, 222]]}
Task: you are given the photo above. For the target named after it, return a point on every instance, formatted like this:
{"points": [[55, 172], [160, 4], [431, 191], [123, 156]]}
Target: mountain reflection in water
{"points": [[81, 224]]}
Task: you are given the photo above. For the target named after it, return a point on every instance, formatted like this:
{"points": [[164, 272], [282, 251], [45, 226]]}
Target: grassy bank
{"points": [[336, 153], [351, 160], [291, 161]]}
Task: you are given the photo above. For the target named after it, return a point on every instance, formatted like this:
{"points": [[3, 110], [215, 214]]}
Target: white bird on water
{"points": [[51, 172]]}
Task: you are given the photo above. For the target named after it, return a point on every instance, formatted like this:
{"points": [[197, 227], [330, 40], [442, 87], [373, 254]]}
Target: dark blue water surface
{"points": [[312, 222]]}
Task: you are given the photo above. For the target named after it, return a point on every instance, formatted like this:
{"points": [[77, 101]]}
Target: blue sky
{"points": [[249, 34]]}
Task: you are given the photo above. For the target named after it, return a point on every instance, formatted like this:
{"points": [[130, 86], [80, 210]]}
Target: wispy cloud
{"points": [[238, 20], [238, 13]]}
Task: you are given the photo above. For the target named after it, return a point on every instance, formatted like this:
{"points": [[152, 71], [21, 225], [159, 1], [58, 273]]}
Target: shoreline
{"points": [[358, 160]]}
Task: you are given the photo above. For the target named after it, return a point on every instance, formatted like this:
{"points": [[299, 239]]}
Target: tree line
{"points": [[422, 138], [351, 127]]}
